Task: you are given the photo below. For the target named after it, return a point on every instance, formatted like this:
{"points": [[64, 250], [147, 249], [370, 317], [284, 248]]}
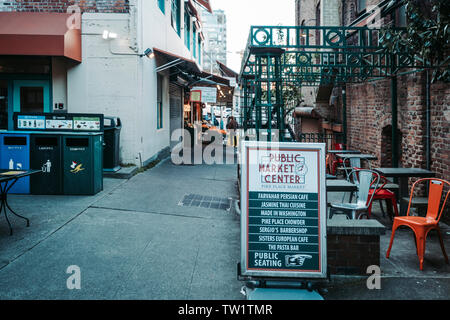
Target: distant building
{"points": [[215, 31], [126, 58]]}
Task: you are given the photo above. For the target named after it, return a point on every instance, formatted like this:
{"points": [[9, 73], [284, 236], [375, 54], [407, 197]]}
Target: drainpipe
{"points": [[344, 115], [394, 108], [428, 121]]}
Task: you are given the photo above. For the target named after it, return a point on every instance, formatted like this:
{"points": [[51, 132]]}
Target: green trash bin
{"points": [[83, 164], [46, 155]]}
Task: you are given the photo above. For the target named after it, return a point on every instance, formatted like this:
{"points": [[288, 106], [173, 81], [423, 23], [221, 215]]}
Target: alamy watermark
{"points": [[374, 280], [74, 21], [74, 280], [213, 146]]}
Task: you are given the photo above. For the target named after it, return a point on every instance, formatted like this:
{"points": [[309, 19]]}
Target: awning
{"points": [[38, 34], [166, 60], [307, 112], [185, 68]]}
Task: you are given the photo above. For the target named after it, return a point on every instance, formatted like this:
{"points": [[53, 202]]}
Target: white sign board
{"points": [[283, 210], [209, 94]]}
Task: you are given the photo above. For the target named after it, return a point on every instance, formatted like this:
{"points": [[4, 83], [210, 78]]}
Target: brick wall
{"points": [[369, 112], [103, 6], [352, 254]]}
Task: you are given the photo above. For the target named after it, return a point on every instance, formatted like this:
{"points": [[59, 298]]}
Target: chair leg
{"points": [[441, 241], [381, 206], [394, 227], [331, 213], [420, 235], [369, 210], [394, 204]]}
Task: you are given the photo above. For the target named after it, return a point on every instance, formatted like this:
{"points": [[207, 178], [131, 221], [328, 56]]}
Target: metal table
{"points": [[356, 156], [339, 185], [343, 151], [7, 179], [403, 174]]}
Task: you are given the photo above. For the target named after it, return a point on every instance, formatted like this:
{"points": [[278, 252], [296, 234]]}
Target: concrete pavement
{"points": [[134, 240], [171, 233]]}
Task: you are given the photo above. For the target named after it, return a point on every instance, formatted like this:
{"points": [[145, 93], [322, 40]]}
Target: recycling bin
{"points": [[82, 164], [15, 155], [46, 155], [111, 147]]}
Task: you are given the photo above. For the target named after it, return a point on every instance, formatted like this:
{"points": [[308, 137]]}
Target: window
{"points": [[175, 17], [159, 103], [187, 30], [162, 5], [199, 50], [401, 17], [194, 42], [361, 5]]}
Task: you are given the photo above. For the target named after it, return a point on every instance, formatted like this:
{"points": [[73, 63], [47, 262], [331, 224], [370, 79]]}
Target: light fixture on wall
{"points": [[109, 35], [148, 53]]}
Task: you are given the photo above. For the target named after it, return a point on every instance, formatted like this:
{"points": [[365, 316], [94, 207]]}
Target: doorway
{"points": [[31, 96], [3, 105]]}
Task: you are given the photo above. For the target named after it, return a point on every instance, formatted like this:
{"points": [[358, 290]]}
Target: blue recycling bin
{"points": [[15, 155]]}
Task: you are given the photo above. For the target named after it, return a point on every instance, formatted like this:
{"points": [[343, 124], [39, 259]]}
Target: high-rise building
{"points": [[215, 31]]}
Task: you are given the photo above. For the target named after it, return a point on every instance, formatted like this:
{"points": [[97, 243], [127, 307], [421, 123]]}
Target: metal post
{"points": [[344, 114], [428, 121], [394, 108]]}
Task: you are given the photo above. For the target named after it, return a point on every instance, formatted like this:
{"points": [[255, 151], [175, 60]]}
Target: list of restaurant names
{"points": [[283, 224]]}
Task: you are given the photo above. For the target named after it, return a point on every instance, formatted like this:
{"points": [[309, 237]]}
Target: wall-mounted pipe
{"points": [[428, 120]]}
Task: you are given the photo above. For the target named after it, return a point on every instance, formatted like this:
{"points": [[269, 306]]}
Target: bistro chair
{"points": [[422, 225], [364, 179], [381, 193]]}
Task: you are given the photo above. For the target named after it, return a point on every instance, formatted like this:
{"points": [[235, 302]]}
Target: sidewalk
{"points": [[172, 233], [134, 240]]}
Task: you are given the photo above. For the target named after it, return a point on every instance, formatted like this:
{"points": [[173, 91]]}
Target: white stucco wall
{"points": [[114, 80]]}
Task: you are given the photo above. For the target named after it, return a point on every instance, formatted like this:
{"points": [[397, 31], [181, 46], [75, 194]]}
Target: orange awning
{"points": [[38, 34]]}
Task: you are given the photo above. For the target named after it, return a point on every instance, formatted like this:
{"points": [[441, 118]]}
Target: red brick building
{"points": [[103, 6], [369, 113]]}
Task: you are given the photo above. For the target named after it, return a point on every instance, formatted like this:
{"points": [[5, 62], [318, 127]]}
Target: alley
{"points": [[144, 238]]}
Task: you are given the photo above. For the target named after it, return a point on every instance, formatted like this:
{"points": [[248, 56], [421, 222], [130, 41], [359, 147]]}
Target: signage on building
{"points": [[283, 210], [59, 122], [196, 96], [209, 94]]}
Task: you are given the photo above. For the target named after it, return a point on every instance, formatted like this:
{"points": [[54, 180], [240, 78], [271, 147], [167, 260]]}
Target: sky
{"points": [[241, 14]]}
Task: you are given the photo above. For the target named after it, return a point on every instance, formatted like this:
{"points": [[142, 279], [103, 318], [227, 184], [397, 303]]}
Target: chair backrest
{"points": [[435, 190], [364, 179]]}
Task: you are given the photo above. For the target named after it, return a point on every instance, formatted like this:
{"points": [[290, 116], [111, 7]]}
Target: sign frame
{"points": [[55, 117], [192, 97], [245, 270]]}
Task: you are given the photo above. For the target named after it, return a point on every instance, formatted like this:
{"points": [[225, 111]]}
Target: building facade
{"points": [[215, 30], [122, 58], [369, 103]]}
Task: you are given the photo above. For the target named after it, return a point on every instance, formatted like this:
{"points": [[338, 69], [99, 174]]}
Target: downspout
{"points": [[344, 115], [394, 107], [344, 90], [428, 121]]}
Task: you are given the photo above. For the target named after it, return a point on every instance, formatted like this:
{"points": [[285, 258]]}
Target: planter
{"points": [[326, 125], [337, 127]]}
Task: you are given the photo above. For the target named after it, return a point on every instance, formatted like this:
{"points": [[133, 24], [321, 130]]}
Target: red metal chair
{"points": [[383, 194], [422, 225], [337, 162]]}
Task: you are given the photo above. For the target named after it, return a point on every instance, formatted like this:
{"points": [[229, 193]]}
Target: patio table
{"points": [[344, 151], [7, 179], [356, 156], [339, 185], [403, 174]]}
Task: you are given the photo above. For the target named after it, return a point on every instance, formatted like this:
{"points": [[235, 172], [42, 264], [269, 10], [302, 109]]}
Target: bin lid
{"points": [[112, 122]]}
